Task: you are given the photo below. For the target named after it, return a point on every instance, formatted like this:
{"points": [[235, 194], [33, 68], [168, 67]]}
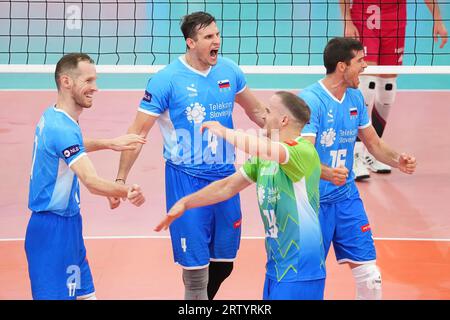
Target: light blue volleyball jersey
{"points": [[183, 98], [58, 144], [335, 126]]}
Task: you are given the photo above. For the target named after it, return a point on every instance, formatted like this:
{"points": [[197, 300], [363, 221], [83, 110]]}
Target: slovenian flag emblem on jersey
{"points": [[223, 84], [353, 112]]}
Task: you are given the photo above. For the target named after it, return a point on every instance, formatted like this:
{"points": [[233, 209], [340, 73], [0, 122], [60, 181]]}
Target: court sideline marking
{"points": [[243, 238]]}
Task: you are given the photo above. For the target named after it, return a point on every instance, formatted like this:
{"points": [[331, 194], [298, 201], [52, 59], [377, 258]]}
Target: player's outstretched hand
{"points": [[350, 30], [407, 163], [113, 202], [340, 175], [135, 195], [126, 142], [440, 30], [214, 126], [175, 212]]}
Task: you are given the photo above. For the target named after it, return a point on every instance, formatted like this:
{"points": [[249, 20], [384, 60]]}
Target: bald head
{"points": [[295, 105]]}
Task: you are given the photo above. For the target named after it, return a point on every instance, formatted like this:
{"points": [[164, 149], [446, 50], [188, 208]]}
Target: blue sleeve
{"points": [[364, 119], [67, 144], [156, 95], [312, 127], [241, 82]]}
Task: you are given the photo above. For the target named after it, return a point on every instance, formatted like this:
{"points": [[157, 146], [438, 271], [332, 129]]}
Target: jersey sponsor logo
{"points": [[147, 96], [237, 224], [70, 151], [195, 113], [328, 137], [220, 109], [261, 195], [273, 195], [365, 228], [270, 170], [348, 135]]}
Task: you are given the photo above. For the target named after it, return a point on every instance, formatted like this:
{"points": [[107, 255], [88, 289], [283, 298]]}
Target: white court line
{"points": [[253, 89], [243, 238]]}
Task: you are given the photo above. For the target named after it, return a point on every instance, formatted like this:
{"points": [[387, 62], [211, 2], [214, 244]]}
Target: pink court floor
{"points": [[409, 215]]}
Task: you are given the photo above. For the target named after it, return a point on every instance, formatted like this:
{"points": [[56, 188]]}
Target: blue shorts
{"points": [[345, 224], [204, 234], [297, 290], [56, 256]]}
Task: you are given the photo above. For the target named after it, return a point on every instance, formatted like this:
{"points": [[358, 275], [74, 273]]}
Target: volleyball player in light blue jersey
{"points": [[195, 97], [338, 122], [198, 86], [338, 116], [56, 255]]}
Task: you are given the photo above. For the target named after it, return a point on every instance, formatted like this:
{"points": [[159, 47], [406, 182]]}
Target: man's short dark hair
{"points": [[340, 50], [296, 105], [191, 23], [68, 63]]}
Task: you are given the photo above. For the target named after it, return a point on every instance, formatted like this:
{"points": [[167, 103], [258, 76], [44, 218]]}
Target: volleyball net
{"points": [[142, 35]]}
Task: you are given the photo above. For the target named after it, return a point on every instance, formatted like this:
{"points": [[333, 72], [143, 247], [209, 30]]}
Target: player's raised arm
{"points": [[216, 192], [140, 127], [262, 147], [438, 25], [252, 106], [121, 143], [350, 29]]}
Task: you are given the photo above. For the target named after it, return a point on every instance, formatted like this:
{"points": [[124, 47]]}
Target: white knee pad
{"points": [[386, 90], [368, 282], [368, 86]]}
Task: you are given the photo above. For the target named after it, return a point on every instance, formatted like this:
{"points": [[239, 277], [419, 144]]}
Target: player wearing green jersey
{"points": [[287, 178]]}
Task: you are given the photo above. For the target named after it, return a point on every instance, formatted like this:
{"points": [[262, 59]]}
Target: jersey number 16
{"points": [[338, 158]]}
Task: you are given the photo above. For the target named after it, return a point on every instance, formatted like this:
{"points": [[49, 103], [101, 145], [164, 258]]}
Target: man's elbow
{"points": [[91, 183]]}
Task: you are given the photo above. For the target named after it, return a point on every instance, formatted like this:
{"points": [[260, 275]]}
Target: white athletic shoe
{"points": [[374, 165], [359, 168]]}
